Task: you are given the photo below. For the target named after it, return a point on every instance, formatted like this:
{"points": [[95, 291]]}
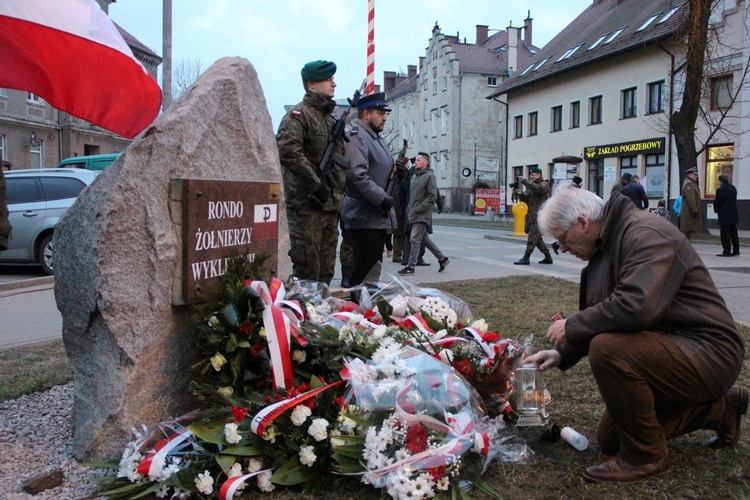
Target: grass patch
{"points": [[512, 306], [32, 368]]}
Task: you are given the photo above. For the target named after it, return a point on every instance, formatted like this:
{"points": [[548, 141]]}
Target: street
{"points": [[29, 313]]}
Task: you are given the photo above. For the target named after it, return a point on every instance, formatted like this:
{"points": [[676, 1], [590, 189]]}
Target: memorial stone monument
{"points": [[119, 251]]}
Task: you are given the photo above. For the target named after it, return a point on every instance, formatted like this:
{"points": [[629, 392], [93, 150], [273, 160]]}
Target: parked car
{"points": [[36, 201], [93, 162]]}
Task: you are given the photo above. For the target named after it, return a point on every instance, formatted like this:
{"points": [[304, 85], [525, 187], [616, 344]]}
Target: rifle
{"points": [[330, 154], [394, 171]]}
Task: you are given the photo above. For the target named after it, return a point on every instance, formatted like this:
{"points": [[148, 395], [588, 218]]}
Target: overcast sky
{"points": [[280, 36]]}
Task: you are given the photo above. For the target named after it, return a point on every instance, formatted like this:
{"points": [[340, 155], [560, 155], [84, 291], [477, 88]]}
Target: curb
{"points": [[14, 285]]}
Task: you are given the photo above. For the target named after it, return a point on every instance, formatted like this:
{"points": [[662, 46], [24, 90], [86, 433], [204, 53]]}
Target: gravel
{"points": [[34, 436]]}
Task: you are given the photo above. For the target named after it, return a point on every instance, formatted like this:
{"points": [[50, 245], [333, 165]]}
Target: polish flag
{"points": [[71, 54]]}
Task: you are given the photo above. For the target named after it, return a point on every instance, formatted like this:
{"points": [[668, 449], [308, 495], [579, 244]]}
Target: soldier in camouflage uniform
{"points": [[537, 192], [313, 205]]}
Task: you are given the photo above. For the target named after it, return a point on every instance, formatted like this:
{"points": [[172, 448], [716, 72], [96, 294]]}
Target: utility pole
{"points": [[166, 68]]}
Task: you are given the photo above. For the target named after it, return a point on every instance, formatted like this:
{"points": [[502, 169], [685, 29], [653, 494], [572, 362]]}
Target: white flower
{"points": [[230, 433], [386, 350], [217, 361], [226, 391], [443, 483], [300, 414], [213, 321], [235, 470], [348, 425], [480, 325], [163, 491], [356, 319], [378, 333], [254, 465], [264, 482], [299, 356], [422, 487], [307, 456], [336, 442], [450, 319], [318, 429], [205, 483], [269, 435]]}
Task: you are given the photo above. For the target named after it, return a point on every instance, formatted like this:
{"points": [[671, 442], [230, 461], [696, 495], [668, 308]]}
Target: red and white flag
{"points": [[71, 54]]}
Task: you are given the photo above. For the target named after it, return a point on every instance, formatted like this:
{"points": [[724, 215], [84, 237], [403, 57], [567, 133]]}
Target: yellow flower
{"points": [[262, 332], [226, 391], [218, 361]]}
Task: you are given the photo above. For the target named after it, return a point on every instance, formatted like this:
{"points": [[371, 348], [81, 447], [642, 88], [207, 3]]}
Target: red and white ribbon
{"points": [[479, 338], [281, 319], [268, 414], [154, 462], [418, 321], [229, 488]]}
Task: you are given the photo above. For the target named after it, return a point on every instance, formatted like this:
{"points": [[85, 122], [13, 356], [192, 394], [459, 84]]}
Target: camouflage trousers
{"points": [[314, 236], [535, 240]]}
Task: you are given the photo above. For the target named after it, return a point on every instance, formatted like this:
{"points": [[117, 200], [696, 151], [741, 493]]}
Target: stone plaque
{"points": [[221, 220]]}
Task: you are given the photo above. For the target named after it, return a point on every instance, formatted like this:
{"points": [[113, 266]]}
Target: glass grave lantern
{"points": [[530, 396]]}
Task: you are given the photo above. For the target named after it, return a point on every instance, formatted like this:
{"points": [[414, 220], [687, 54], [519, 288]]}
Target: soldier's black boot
{"points": [[345, 283], [523, 261], [547, 259]]}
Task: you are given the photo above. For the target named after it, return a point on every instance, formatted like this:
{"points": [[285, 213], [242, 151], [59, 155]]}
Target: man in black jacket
{"points": [[725, 206]]}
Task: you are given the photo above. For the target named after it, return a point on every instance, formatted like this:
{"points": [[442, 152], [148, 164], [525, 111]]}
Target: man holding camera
{"points": [[537, 192]]}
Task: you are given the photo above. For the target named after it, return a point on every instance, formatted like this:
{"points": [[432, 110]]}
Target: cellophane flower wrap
{"points": [[382, 391]]}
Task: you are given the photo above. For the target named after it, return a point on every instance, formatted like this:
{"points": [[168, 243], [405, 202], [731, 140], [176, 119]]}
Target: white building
{"points": [[602, 91], [442, 110]]}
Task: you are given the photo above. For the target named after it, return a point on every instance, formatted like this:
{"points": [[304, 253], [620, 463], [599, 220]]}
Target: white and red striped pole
{"points": [[370, 47]]}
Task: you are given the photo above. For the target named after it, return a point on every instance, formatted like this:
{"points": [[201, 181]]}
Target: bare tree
{"points": [[184, 75]]}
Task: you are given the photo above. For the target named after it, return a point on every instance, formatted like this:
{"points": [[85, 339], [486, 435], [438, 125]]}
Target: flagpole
{"points": [[370, 47], [166, 69]]}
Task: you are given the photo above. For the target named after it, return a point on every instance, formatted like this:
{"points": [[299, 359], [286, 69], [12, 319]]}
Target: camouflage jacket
{"points": [[536, 194], [302, 139]]}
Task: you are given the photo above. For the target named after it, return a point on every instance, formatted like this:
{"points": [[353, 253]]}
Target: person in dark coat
{"points": [[635, 192], [660, 340], [725, 206]]}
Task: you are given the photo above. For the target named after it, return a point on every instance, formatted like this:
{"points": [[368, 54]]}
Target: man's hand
{"points": [[544, 359], [386, 204], [401, 170], [320, 194], [556, 333]]}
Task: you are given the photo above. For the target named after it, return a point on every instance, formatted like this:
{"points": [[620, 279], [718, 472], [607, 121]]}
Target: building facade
{"points": [[441, 108], [33, 134], [602, 91]]}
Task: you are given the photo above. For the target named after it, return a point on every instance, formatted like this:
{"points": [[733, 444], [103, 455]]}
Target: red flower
{"points": [[463, 366], [303, 387], [246, 327], [349, 307], [310, 403], [436, 472], [491, 337], [239, 413], [459, 325], [369, 314], [341, 401], [256, 349], [246, 283], [416, 439]]}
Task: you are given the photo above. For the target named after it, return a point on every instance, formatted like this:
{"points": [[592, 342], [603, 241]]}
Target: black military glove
{"points": [[387, 203], [320, 194], [401, 170]]}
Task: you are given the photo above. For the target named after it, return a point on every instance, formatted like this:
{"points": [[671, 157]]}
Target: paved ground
{"points": [[29, 312]]}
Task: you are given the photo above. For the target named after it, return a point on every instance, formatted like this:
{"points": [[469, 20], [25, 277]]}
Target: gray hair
{"points": [[561, 211]]}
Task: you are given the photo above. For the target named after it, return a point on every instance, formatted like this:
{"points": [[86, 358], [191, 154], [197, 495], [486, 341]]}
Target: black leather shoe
{"points": [[547, 259], [723, 254], [523, 261], [728, 431], [443, 263], [735, 253], [618, 470], [422, 263]]}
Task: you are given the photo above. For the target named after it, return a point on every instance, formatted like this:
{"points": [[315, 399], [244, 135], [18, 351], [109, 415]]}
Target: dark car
{"points": [[36, 201]]}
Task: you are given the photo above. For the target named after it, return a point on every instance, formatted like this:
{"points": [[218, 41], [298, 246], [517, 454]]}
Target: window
{"points": [[720, 160], [569, 53], [492, 81], [434, 87], [575, 114], [596, 176], [518, 127], [600, 40], [595, 110], [648, 21], [613, 36], [654, 177], [556, 118], [445, 83], [533, 122], [33, 98], [3, 92], [444, 171], [669, 14], [3, 152], [721, 92], [517, 172], [629, 102], [433, 120], [23, 190], [656, 97], [444, 120], [61, 188], [540, 64], [36, 156], [629, 164]]}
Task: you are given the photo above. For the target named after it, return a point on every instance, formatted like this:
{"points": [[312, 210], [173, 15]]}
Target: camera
{"points": [[514, 185]]}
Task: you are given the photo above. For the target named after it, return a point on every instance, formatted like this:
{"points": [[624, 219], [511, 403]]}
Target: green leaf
{"points": [[293, 472], [128, 488], [245, 344], [352, 451], [242, 451], [431, 322], [315, 383], [489, 490], [102, 465], [145, 492], [225, 461], [212, 431]]}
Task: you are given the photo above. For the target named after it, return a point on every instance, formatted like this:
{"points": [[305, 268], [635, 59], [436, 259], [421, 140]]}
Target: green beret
{"points": [[317, 71], [535, 170]]}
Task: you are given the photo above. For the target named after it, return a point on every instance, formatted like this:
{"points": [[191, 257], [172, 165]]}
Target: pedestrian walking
{"points": [[537, 192]]}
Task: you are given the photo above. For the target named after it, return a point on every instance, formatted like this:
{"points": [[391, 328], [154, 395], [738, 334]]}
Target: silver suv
{"points": [[36, 201]]}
